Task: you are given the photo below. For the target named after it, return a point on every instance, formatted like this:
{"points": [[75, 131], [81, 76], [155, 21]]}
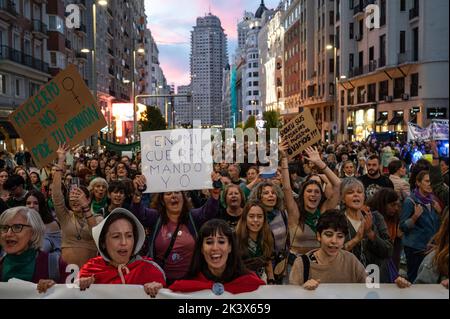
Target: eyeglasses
{"points": [[16, 228]]}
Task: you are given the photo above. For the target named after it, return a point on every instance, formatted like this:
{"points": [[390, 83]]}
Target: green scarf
{"points": [[19, 266], [254, 248], [97, 206], [311, 220]]}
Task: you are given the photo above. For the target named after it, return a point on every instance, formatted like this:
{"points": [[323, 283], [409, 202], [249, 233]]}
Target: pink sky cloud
{"points": [[171, 23]]}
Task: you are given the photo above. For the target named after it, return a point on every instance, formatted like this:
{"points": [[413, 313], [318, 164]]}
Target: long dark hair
{"points": [[301, 201], [234, 267], [44, 211], [380, 201], [160, 206]]}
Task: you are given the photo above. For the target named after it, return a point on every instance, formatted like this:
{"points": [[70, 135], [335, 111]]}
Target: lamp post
{"points": [[336, 81], [133, 91]]}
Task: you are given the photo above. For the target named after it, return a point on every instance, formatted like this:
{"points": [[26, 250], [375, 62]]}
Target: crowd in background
{"points": [[342, 206]]}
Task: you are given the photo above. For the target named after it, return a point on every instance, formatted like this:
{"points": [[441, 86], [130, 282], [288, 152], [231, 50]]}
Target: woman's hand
{"points": [[62, 151], [152, 288], [44, 284], [78, 195], [313, 155], [139, 182], [402, 282], [85, 283], [282, 149], [311, 284], [445, 283]]}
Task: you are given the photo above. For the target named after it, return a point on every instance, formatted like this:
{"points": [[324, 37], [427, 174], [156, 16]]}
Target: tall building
{"points": [[248, 52], [183, 107], [271, 42], [226, 98], [395, 74], [309, 66], [23, 58], [208, 59]]}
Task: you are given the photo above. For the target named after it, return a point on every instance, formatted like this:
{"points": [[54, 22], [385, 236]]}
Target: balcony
{"points": [[413, 13], [68, 44], [39, 29], [82, 56], [372, 65], [111, 71], [382, 62], [8, 10], [112, 92], [109, 10], [110, 52], [110, 32], [8, 53], [360, 8]]}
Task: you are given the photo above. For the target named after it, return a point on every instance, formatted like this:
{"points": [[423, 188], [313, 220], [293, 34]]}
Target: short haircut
{"points": [[444, 159], [421, 176], [117, 186], [13, 181], [33, 219], [394, 166], [95, 181], [349, 183], [372, 157], [333, 219]]}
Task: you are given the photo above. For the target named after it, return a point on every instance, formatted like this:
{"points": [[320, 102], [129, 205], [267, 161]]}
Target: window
{"points": [[2, 84], [18, 87], [351, 30], [402, 41], [372, 92], [399, 87], [383, 12], [55, 23], [383, 90], [402, 5], [27, 9], [416, 44], [414, 90]]}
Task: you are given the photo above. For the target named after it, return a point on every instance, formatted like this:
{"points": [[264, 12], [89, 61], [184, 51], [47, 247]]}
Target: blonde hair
{"points": [[97, 180], [33, 219]]}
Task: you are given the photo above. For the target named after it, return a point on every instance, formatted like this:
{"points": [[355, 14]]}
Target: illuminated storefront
{"points": [[123, 119], [360, 123]]}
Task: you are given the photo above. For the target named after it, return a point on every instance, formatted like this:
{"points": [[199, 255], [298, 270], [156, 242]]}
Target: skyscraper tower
{"points": [[208, 59]]}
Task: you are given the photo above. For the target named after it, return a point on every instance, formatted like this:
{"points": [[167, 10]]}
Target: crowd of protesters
{"points": [[324, 217]]}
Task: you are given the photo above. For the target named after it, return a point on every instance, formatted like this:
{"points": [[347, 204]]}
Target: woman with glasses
{"points": [[21, 236], [174, 226]]}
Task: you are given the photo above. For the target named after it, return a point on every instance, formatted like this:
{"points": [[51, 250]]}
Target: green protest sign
{"points": [[63, 111]]}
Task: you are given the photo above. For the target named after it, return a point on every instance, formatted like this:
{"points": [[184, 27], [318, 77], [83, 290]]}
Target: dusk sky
{"points": [[171, 23]]}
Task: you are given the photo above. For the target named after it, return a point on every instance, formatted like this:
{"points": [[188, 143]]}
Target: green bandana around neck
{"points": [[311, 220], [19, 266]]}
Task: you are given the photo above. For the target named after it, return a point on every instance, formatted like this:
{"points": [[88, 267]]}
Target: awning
{"points": [[6, 127], [381, 120], [396, 120]]}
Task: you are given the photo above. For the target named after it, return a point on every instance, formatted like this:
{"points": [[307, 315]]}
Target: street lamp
{"points": [[336, 81], [102, 3], [133, 91]]}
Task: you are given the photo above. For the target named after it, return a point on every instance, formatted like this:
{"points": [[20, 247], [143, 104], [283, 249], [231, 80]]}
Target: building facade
{"points": [[395, 74], [208, 59]]}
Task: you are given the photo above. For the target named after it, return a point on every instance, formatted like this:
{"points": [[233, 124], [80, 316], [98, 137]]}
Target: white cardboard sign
{"points": [[177, 160]]}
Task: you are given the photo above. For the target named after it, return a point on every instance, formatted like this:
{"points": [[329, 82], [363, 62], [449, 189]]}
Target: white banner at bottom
{"points": [[26, 290]]}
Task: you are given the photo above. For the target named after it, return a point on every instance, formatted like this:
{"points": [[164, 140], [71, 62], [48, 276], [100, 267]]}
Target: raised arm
{"points": [[289, 201], [312, 154], [57, 195]]}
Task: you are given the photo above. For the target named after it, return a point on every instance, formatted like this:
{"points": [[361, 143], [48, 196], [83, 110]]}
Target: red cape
{"points": [[245, 283], [141, 272]]}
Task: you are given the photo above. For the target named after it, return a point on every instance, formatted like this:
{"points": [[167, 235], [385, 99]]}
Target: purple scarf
{"points": [[423, 199]]}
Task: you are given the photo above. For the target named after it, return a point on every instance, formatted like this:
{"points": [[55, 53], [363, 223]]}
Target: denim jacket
{"points": [[418, 235]]}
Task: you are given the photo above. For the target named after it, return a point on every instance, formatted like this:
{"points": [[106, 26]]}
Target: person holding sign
{"points": [[76, 218], [173, 226]]}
